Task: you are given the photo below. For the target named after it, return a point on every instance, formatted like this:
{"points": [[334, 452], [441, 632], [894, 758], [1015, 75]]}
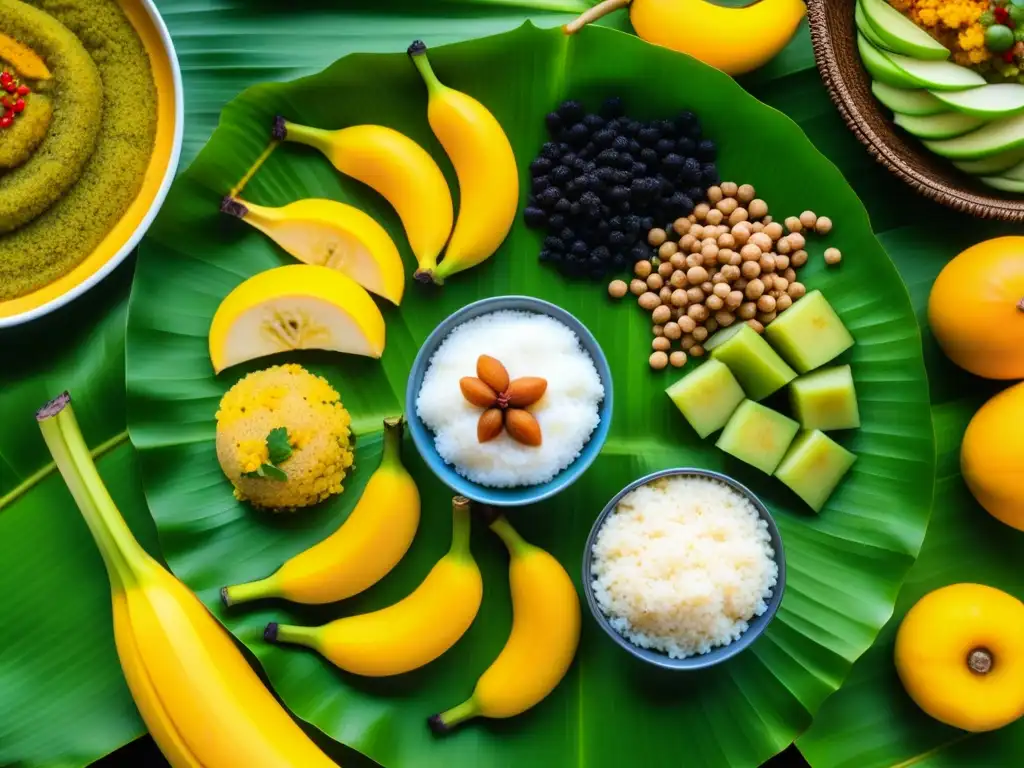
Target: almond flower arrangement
{"points": [[504, 402]]}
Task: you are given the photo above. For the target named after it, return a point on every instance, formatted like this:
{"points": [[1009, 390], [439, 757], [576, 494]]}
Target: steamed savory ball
{"points": [[283, 470]]}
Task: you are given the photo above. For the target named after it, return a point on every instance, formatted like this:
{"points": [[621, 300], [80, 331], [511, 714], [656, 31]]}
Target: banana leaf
{"points": [[846, 565], [62, 697], [871, 721]]}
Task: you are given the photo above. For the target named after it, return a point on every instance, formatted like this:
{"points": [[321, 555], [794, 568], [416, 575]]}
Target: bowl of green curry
{"points": [[91, 119]]}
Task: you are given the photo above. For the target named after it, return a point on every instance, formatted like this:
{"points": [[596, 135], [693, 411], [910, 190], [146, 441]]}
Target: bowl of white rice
{"points": [[684, 568], [530, 338]]}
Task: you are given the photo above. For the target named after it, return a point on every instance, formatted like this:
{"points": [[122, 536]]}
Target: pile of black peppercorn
{"points": [[605, 180]]}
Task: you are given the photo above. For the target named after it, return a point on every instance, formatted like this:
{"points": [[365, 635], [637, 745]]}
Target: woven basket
{"points": [[834, 35]]}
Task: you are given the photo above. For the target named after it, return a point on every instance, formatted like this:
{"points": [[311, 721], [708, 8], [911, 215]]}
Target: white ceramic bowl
{"points": [[68, 288]]}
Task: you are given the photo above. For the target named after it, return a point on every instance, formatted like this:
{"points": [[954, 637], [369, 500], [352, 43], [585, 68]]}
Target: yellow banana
{"points": [[202, 702], [371, 541], [395, 166], [413, 631], [330, 234], [485, 165], [735, 40], [545, 635]]}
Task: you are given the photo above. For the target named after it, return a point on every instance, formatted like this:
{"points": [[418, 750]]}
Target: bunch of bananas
{"points": [[207, 708], [432, 618], [326, 232]]}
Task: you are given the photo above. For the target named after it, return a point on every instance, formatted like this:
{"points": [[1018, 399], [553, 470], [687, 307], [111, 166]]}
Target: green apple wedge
{"points": [[989, 101], [936, 75], [916, 102], [880, 66], [900, 34], [947, 125], [995, 138], [1004, 185], [865, 28], [994, 164]]}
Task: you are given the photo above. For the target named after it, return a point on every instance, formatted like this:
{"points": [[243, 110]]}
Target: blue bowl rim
{"points": [[475, 491], [716, 655]]}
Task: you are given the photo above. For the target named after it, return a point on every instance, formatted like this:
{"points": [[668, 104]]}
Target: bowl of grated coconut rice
{"points": [[684, 568]]}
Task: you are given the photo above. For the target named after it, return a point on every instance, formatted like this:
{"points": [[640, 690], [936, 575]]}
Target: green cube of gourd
{"points": [[825, 399], [707, 397], [809, 334], [756, 366], [758, 435], [814, 466]]}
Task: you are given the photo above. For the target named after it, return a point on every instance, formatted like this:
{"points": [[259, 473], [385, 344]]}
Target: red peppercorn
{"points": [[1002, 15], [5, 121], [10, 87], [5, 77], [19, 105], [24, 90], [6, 102]]}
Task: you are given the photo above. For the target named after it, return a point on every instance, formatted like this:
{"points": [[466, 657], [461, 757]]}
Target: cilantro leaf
{"points": [[273, 473], [277, 445]]}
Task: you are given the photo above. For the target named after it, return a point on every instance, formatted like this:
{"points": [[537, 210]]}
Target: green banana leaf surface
{"points": [[845, 566]]}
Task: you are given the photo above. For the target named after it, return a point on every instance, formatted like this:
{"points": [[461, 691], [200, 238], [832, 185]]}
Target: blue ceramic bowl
{"points": [[423, 438], [716, 655]]}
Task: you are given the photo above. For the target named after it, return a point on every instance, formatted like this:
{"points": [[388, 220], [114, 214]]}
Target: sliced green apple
{"points": [[707, 397], [826, 399], [900, 34], [1016, 173], [881, 68], [813, 467], [993, 165], [916, 102], [1004, 185], [809, 334], [997, 137], [758, 436], [989, 101], [756, 366], [865, 28], [947, 125], [936, 75]]}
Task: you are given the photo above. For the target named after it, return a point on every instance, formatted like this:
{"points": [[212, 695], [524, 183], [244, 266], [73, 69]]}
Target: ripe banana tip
{"points": [[232, 207], [53, 407], [225, 597], [447, 720], [418, 47], [270, 633], [280, 128]]}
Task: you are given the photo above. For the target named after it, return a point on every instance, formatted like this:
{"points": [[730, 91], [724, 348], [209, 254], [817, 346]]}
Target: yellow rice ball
{"points": [[318, 429]]}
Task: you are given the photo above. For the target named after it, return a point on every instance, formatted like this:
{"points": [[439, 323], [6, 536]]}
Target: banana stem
{"points": [[288, 633], [444, 722], [122, 555], [460, 528], [418, 54], [252, 590], [1020, 305], [593, 14], [515, 543], [300, 134], [393, 429]]}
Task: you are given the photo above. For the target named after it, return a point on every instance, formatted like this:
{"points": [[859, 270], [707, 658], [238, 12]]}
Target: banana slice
{"points": [[301, 306], [331, 234]]}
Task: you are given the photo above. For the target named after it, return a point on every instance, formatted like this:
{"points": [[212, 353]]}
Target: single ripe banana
{"points": [[202, 702], [330, 234], [545, 635], [395, 166], [485, 165], [371, 541], [412, 632]]}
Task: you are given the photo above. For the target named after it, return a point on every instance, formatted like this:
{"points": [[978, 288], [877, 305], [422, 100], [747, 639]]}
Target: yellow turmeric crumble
{"points": [[954, 23], [318, 432]]}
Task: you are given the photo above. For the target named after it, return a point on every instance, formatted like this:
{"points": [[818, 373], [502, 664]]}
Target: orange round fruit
{"points": [[992, 456], [976, 309]]}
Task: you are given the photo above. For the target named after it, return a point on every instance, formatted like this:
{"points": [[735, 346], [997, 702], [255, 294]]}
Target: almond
{"points": [[523, 427], [525, 391], [492, 421], [476, 392], [492, 373]]}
